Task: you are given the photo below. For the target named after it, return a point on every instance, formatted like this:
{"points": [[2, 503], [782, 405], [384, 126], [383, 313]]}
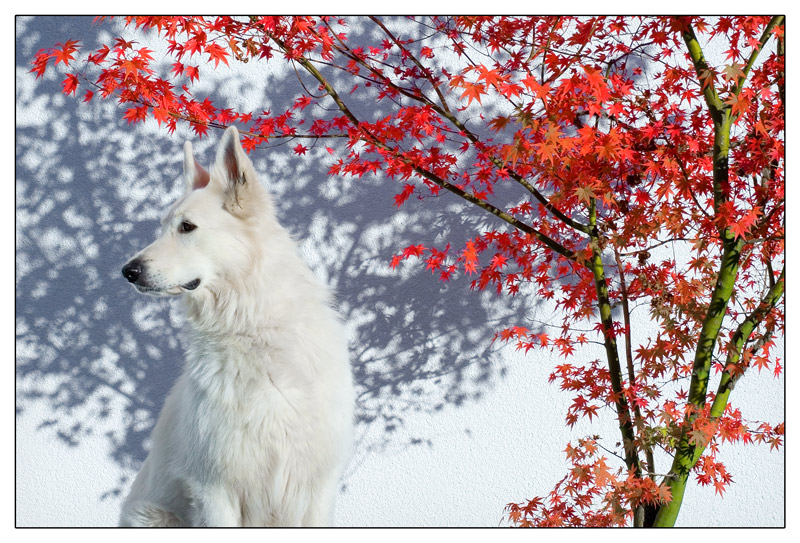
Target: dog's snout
{"points": [[132, 270]]}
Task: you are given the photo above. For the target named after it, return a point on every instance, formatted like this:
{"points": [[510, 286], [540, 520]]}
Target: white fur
{"points": [[258, 427]]}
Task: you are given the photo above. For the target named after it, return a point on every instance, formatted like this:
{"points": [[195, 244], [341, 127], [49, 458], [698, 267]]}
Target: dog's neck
{"points": [[229, 308]]}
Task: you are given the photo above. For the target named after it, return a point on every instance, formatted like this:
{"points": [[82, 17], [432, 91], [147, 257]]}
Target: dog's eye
{"points": [[186, 226]]}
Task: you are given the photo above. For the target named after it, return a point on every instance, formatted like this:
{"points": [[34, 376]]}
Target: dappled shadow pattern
{"points": [[89, 192]]}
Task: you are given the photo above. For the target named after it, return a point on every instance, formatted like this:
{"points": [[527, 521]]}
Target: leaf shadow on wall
{"points": [[101, 357]]}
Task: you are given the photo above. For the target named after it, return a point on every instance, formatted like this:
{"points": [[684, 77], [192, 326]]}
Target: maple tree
{"points": [[621, 139]]}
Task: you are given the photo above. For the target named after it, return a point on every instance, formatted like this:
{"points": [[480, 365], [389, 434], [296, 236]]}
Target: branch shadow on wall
{"points": [[89, 192]]}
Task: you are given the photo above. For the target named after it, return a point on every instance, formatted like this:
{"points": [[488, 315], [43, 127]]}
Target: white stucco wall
{"points": [[450, 426]]}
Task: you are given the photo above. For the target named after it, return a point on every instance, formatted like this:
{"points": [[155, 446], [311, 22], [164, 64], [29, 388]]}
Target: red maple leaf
{"points": [[70, 85], [498, 262], [40, 63], [135, 114], [399, 199], [473, 91], [217, 54], [65, 54], [192, 72]]}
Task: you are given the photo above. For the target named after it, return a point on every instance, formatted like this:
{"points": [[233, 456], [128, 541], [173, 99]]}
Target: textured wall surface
{"points": [[450, 427]]}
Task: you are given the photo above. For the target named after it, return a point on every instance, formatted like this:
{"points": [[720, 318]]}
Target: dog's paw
{"points": [[149, 515]]}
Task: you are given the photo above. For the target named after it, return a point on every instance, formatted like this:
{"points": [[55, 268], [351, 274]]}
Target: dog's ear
{"points": [[195, 176], [231, 156], [233, 167]]}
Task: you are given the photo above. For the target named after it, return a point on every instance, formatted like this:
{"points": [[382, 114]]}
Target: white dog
{"points": [[258, 428]]}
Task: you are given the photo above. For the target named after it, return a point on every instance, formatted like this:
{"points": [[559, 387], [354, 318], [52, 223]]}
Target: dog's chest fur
{"points": [[253, 408]]}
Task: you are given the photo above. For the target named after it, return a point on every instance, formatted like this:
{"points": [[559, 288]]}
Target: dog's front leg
{"points": [[215, 507]]}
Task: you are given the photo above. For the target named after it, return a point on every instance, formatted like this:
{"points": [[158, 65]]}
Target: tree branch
{"points": [[414, 59], [668, 513], [740, 339], [373, 140], [775, 21], [685, 457], [720, 114], [612, 353], [643, 512], [445, 112], [713, 101]]}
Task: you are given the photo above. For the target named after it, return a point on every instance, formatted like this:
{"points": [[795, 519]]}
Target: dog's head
{"points": [[204, 235]]}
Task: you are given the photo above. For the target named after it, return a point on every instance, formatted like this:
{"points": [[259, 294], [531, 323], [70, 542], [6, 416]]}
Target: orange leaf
{"points": [[473, 92]]}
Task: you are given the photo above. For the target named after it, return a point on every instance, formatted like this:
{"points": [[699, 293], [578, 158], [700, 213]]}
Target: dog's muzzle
{"points": [[133, 271]]}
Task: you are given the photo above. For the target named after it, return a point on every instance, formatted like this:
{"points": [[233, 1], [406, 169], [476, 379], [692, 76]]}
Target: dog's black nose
{"points": [[132, 270]]}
